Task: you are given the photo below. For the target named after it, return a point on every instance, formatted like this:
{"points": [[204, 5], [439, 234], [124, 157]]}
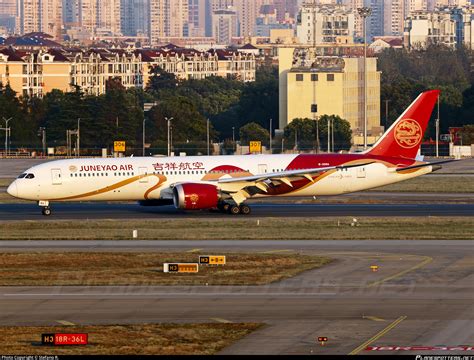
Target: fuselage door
{"points": [[361, 172], [262, 169], [56, 176], [143, 172]]}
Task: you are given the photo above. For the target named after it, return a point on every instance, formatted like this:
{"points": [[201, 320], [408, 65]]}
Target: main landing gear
{"points": [[235, 209], [46, 210]]}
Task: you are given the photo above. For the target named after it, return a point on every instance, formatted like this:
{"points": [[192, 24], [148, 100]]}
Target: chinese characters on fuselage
{"points": [[178, 166]]}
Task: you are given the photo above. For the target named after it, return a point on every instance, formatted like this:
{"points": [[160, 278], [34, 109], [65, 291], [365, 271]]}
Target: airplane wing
{"points": [[242, 188]]}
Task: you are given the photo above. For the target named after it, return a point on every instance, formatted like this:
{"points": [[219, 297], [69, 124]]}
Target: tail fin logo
{"points": [[408, 133]]}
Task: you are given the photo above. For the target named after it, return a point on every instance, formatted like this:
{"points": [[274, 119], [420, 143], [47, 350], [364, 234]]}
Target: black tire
{"points": [[234, 210], [226, 207], [245, 209], [46, 211]]}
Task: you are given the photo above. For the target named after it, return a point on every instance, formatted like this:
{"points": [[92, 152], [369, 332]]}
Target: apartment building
{"points": [[325, 24], [37, 72], [40, 16], [224, 26], [312, 85], [423, 28]]}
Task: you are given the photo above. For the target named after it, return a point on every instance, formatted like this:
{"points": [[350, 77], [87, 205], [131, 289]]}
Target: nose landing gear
{"points": [[46, 210]]}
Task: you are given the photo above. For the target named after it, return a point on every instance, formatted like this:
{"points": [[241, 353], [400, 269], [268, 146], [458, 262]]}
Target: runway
{"points": [[78, 211], [423, 294]]}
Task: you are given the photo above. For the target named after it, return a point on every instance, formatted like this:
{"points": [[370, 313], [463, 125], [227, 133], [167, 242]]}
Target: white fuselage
{"points": [[152, 178]]}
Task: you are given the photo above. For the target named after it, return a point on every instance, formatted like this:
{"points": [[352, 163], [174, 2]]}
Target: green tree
{"points": [[253, 132], [12, 108], [257, 102], [260, 99], [188, 124], [305, 130], [61, 113], [407, 73], [160, 80], [342, 132], [468, 135]]}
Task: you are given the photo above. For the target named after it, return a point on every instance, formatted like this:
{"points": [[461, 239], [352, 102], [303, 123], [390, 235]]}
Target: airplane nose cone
{"points": [[13, 189]]}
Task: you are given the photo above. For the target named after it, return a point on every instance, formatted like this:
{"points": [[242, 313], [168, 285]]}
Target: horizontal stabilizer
{"points": [[424, 165]]}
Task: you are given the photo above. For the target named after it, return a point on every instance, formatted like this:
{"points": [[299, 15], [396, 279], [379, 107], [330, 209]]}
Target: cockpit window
{"points": [[30, 176], [22, 176]]}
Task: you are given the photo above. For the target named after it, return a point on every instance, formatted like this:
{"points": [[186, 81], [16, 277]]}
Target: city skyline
{"points": [[154, 21]]}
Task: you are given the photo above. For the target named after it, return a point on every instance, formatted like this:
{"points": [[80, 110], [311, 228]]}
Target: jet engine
{"points": [[194, 196]]}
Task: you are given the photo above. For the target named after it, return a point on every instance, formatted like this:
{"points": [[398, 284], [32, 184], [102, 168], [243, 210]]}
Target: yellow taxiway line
{"points": [[276, 251], [194, 250], [426, 261], [224, 321], [378, 335], [374, 318], [64, 322]]}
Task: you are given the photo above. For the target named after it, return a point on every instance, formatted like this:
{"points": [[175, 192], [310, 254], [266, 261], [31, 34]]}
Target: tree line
{"points": [[407, 73], [236, 110]]}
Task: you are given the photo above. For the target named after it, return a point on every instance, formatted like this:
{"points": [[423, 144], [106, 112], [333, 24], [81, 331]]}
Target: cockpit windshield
{"points": [[22, 176], [29, 176]]}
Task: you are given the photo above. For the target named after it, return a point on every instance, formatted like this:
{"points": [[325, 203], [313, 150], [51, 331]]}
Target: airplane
{"points": [[225, 183]]}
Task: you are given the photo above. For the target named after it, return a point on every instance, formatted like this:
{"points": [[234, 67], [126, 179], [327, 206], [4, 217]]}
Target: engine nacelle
{"points": [[193, 196]]}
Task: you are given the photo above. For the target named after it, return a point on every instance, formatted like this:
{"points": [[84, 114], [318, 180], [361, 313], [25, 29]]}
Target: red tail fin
{"points": [[403, 138]]}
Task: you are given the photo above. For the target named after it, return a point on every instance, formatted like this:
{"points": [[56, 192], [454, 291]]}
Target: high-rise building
{"points": [[268, 21], [375, 23], [286, 9], [248, 11], [8, 7], [423, 28], [88, 15], [156, 20], [224, 26], [465, 25], [100, 16], [71, 12], [176, 18], [353, 5], [452, 3], [197, 18], [134, 17], [167, 18], [108, 16], [452, 27], [8, 14], [40, 15], [325, 24], [415, 5], [394, 16]]}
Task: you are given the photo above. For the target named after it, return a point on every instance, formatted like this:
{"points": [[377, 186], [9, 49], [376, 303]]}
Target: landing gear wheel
{"points": [[226, 207], [46, 211], [245, 210], [234, 210]]}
